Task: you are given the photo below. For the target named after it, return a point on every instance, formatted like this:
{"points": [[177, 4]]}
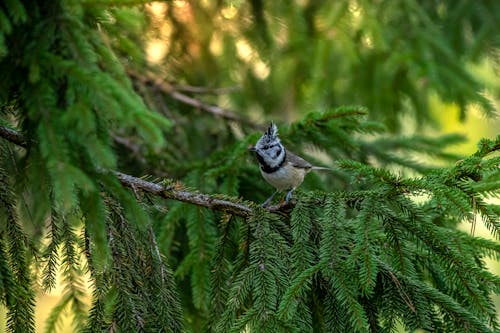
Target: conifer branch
{"points": [[199, 199]]}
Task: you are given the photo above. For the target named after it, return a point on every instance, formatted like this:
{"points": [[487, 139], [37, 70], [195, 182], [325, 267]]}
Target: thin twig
{"points": [[199, 199], [204, 90], [13, 136], [133, 147]]}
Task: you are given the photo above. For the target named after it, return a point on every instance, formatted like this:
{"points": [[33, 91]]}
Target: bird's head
{"points": [[268, 148]]}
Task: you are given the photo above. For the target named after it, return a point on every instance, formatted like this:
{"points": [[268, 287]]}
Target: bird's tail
{"points": [[320, 168]]}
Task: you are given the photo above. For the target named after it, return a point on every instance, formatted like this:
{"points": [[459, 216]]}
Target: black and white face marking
{"points": [[270, 152]]}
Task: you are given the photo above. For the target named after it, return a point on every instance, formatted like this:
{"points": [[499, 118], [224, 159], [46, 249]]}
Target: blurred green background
{"points": [[429, 67]]}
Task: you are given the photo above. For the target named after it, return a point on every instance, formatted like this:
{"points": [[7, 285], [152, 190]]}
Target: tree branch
{"points": [[199, 199], [13, 136], [170, 90], [204, 90]]}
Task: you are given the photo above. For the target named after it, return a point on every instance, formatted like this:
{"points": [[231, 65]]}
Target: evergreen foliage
{"points": [[371, 246]]}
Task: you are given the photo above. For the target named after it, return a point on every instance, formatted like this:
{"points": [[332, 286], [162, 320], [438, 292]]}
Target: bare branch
{"points": [[170, 90], [199, 199], [204, 90]]}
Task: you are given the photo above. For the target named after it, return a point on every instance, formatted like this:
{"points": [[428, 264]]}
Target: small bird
{"points": [[279, 167]]}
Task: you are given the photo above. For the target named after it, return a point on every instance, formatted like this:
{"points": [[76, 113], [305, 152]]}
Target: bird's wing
{"points": [[297, 161]]}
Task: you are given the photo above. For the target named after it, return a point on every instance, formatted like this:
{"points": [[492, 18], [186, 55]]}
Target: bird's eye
{"points": [[265, 147]]}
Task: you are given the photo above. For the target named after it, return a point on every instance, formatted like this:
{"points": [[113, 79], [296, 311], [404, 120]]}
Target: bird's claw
{"points": [[288, 197], [268, 200]]}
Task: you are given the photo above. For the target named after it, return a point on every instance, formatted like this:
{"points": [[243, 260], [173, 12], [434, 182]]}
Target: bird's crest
{"points": [[272, 130]]}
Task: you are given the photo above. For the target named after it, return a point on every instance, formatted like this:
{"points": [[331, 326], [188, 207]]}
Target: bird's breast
{"points": [[285, 178]]}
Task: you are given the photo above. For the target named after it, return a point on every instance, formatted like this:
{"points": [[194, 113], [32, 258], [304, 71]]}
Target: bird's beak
{"points": [[251, 148]]}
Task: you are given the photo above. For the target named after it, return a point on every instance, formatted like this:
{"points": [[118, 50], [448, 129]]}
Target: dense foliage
{"points": [[372, 246]]}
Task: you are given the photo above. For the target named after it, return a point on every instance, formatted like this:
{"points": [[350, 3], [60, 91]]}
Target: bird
{"points": [[279, 167]]}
